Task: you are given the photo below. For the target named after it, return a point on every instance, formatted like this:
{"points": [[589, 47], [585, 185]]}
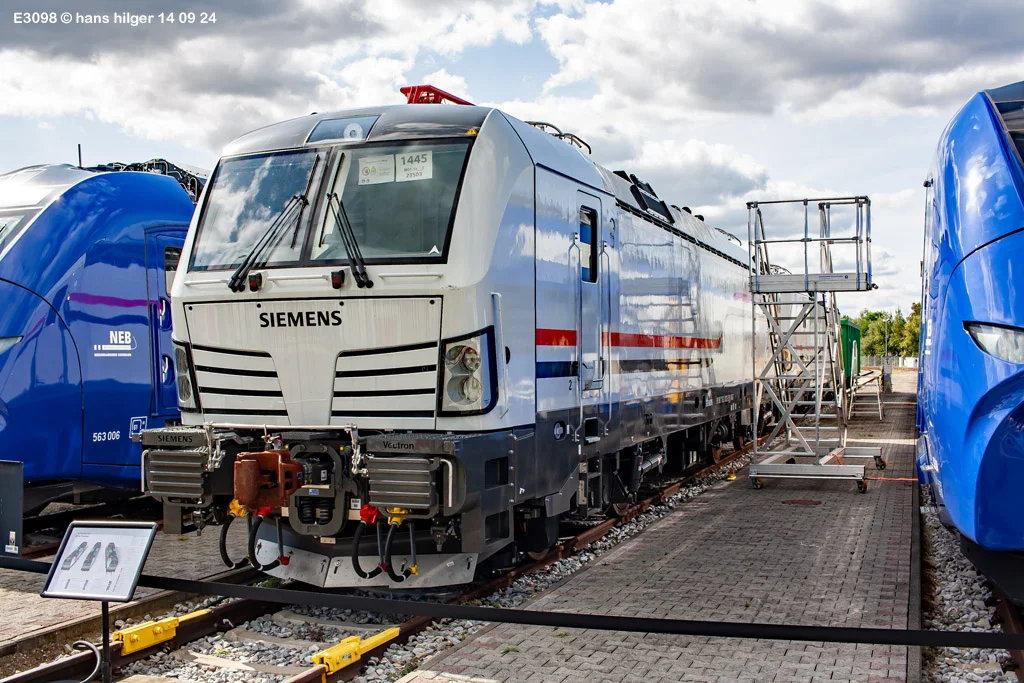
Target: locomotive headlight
{"points": [[1005, 343], [468, 376], [183, 378], [471, 389], [464, 354]]}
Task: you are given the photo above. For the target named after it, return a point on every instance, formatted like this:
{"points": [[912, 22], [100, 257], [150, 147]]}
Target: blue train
{"points": [[86, 259], [971, 377]]}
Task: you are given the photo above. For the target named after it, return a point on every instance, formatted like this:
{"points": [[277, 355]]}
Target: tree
{"points": [[896, 329], [912, 332], [872, 336]]}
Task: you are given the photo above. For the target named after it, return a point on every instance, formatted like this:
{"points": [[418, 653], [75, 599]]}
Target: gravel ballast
{"points": [[956, 599]]}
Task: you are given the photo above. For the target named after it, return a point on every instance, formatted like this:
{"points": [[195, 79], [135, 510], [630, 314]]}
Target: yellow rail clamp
{"points": [[348, 651], [150, 633]]}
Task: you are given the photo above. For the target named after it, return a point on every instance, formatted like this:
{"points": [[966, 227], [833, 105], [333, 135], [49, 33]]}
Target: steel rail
{"points": [[1011, 620], [227, 616]]}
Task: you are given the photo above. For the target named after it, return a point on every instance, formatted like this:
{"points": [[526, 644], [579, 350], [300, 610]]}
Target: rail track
{"points": [[343, 660], [1012, 621], [46, 530]]}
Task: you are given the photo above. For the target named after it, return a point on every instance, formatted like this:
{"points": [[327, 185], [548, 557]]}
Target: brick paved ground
{"points": [[734, 554], [25, 613]]}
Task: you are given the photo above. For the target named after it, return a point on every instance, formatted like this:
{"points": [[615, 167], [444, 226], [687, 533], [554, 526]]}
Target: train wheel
{"points": [[879, 463], [538, 555], [862, 486], [620, 509], [756, 482]]}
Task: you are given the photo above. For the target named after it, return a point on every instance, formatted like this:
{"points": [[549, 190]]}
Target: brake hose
{"points": [[407, 572], [355, 554], [252, 546], [223, 544]]}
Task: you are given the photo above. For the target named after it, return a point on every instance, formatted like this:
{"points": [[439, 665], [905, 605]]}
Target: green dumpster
{"points": [[850, 341]]}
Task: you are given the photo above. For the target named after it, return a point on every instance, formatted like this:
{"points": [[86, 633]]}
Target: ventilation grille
{"points": [[175, 475], [399, 482], [237, 383], [375, 387]]}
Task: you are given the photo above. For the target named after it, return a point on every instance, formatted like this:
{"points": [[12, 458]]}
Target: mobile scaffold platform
{"points": [[802, 373]]}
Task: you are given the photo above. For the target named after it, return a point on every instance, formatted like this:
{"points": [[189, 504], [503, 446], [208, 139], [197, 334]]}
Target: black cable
{"points": [[251, 547], [222, 546], [397, 578], [355, 555]]}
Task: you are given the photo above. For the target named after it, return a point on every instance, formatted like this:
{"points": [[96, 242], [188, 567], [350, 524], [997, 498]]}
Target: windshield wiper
{"points": [[348, 238], [237, 281]]}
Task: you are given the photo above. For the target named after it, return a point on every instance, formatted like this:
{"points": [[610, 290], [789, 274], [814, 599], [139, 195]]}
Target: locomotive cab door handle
{"points": [[166, 368]]}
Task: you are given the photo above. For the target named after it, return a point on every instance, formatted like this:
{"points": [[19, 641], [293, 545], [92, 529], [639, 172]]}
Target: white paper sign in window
{"points": [[377, 169], [415, 166]]}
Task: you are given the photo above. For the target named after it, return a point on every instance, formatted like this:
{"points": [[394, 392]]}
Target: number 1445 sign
{"points": [[414, 166]]}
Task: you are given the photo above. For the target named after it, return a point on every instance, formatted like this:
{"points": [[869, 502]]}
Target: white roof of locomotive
{"points": [[421, 121]]}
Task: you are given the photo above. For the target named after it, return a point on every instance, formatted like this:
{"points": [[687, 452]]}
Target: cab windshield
{"points": [[247, 196], [399, 200]]}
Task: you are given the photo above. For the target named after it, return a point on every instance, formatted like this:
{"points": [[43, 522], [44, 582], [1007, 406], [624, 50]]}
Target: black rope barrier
{"points": [[683, 627]]}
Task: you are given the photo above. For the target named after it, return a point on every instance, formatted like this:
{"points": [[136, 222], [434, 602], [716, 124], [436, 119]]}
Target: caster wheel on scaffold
{"points": [[862, 486], [756, 482]]}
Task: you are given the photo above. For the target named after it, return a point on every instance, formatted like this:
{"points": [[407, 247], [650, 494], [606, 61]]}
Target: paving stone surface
{"points": [[734, 554], [186, 557]]}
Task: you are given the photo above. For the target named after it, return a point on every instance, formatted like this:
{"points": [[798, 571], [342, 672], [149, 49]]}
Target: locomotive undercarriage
{"points": [[417, 509]]}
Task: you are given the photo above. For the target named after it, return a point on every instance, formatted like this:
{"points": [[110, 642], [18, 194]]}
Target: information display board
{"points": [[100, 561]]}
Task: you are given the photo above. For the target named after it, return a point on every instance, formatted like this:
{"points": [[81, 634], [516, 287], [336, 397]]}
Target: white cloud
{"points": [[688, 59], [452, 83], [205, 89]]}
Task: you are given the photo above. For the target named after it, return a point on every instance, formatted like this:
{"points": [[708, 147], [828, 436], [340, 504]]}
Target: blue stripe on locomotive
{"points": [[88, 271], [971, 404]]}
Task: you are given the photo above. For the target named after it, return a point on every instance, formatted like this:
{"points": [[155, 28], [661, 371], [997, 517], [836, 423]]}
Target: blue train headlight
{"points": [[1005, 343], [8, 342], [468, 378], [187, 399]]}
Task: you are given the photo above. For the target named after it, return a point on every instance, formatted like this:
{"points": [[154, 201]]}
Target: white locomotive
{"points": [[410, 338]]}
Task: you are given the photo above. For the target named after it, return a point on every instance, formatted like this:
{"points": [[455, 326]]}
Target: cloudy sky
{"points": [[713, 103]]}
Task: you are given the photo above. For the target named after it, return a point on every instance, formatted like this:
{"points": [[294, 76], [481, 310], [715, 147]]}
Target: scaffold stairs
{"points": [[803, 380]]}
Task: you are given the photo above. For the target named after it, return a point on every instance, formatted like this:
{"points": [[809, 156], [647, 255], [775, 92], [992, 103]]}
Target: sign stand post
{"points": [[105, 608], [100, 561]]}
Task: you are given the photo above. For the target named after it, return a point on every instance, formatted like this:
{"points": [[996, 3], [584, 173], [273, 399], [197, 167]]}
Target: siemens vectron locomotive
{"points": [[85, 320], [410, 338], [971, 404]]}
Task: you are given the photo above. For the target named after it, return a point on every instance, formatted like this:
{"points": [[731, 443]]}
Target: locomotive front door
{"points": [[592, 363]]}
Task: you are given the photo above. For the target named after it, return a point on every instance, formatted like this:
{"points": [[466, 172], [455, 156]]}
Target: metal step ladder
{"points": [[866, 395], [803, 377]]}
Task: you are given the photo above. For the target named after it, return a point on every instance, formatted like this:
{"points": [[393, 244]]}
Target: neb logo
{"points": [[120, 337]]}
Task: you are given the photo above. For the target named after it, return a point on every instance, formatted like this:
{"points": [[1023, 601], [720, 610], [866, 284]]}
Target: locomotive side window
{"points": [[588, 244], [171, 257]]}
